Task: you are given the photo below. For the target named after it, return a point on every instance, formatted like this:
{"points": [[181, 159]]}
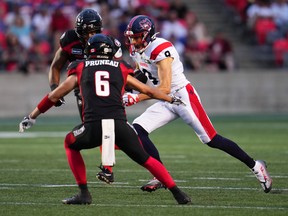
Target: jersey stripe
{"points": [[159, 49], [200, 112]]}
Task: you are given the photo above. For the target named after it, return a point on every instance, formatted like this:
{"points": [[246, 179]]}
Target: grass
{"points": [[35, 175]]}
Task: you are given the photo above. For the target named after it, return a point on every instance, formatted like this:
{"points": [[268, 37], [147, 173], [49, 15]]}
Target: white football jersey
{"points": [[156, 51]]}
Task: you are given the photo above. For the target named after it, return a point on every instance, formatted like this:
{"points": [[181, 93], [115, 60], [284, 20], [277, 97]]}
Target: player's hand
{"points": [[130, 99], [59, 102], [26, 123], [177, 101]]}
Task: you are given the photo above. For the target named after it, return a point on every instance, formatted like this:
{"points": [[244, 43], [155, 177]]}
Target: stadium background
{"points": [[255, 85], [222, 93]]}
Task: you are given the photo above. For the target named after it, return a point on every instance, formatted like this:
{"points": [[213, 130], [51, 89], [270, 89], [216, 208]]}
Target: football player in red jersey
{"points": [[160, 61], [101, 81]]}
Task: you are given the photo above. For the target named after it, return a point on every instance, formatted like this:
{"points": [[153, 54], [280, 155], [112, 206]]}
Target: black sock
{"points": [[146, 142], [232, 149]]}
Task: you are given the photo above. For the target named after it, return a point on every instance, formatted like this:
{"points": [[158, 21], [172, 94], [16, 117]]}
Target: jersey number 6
{"points": [[102, 85]]}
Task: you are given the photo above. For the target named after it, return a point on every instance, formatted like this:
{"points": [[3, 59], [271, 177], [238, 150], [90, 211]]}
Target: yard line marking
{"points": [[157, 206], [245, 174], [126, 185], [32, 134]]}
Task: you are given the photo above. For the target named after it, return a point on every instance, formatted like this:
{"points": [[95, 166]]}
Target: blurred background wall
{"points": [[235, 52], [221, 93]]}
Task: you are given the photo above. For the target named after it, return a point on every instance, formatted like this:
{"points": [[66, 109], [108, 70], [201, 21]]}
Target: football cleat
{"points": [[79, 199], [180, 196], [261, 173], [153, 185], [105, 175]]}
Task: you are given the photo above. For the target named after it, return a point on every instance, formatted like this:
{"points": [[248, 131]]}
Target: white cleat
{"points": [[261, 173]]}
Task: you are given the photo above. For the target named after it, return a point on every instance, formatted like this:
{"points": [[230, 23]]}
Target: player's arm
{"points": [[151, 92], [60, 59], [48, 101], [165, 77], [165, 74]]}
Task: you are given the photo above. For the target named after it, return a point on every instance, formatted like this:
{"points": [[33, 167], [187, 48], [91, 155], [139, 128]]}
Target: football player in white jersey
{"points": [[159, 60]]}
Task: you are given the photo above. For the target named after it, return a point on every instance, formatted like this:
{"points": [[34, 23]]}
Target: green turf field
{"points": [[35, 175]]}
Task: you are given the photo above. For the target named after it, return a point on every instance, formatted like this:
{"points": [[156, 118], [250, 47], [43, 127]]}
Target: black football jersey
{"points": [[71, 44], [101, 85]]}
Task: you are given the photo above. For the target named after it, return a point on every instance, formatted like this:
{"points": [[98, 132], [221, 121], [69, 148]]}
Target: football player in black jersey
{"points": [[101, 81], [72, 45]]}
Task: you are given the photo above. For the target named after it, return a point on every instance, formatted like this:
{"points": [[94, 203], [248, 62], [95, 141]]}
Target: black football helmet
{"points": [[140, 26], [88, 20], [100, 46]]}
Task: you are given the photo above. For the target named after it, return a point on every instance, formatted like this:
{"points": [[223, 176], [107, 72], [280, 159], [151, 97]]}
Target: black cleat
{"points": [[79, 199], [105, 175], [180, 196], [152, 185]]}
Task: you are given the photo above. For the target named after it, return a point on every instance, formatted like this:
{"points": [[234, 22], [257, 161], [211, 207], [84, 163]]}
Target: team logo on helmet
{"points": [[145, 24]]}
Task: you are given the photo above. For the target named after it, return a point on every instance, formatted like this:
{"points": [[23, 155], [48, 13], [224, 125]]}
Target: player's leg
{"points": [[78, 101], [75, 141], [129, 142], [195, 116], [154, 117], [106, 174]]}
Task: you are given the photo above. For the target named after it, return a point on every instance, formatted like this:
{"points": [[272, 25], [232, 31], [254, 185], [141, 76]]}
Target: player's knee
{"points": [[69, 140], [216, 141], [140, 130]]}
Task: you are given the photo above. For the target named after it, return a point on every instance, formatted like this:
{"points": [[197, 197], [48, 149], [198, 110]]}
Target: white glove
{"points": [[177, 101], [130, 99], [26, 123]]}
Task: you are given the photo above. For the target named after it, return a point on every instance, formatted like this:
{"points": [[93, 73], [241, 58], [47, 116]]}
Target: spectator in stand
{"points": [[180, 7], [22, 31], [173, 26], [260, 19], [280, 10], [41, 22], [198, 30], [59, 24], [280, 50], [3, 12], [69, 10], [220, 53], [12, 60], [240, 7], [194, 56]]}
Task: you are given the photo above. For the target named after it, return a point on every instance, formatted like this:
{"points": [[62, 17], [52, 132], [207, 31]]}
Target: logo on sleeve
{"points": [[76, 51]]}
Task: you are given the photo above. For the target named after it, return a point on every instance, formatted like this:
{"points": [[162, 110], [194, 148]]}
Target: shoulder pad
{"points": [[68, 37]]}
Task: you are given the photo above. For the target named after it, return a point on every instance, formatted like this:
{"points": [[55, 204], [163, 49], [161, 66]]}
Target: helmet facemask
{"points": [[88, 21]]}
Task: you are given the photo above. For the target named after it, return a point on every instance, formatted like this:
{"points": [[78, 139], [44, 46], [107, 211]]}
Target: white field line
{"points": [[28, 134], [156, 206], [245, 175], [125, 185]]}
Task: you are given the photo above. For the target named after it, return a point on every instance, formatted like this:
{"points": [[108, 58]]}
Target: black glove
{"points": [[61, 100]]}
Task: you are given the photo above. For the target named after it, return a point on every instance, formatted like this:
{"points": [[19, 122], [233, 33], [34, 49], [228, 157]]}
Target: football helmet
{"points": [[143, 27], [100, 46], [87, 21]]}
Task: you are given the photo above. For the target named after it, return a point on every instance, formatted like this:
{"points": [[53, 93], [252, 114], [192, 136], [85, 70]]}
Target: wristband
{"points": [[45, 104], [53, 86]]}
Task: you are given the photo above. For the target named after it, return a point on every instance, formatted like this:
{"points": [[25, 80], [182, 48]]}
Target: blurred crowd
{"points": [[267, 20], [30, 31]]}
